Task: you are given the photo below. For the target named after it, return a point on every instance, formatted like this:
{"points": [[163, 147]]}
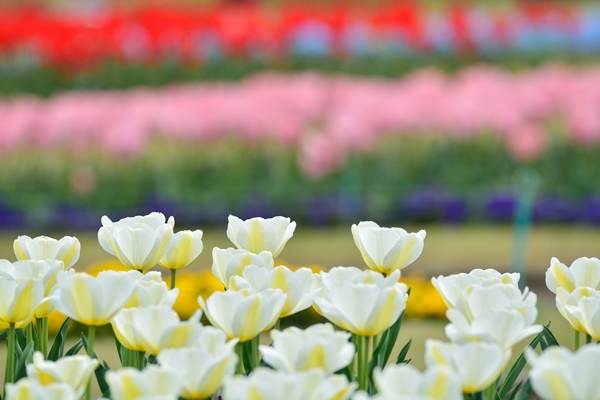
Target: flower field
{"points": [[346, 357]]}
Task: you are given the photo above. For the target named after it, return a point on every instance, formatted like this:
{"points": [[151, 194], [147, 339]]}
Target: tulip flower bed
{"points": [[329, 147], [346, 358], [81, 37]]}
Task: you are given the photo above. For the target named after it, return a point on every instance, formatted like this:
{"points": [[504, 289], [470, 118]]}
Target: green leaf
{"points": [[525, 392], [100, 371], [344, 371], [403, 353], [21, 367], [21, 341], [75, 348], [3, 335], [152, 359], [549, 336], [517, 367], [513, 392], [120, 350], [58, 347]]}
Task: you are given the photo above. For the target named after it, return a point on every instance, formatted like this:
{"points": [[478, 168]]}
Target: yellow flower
{"points": [[191, 286]]}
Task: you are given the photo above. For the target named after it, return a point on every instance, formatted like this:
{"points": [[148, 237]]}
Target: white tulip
{"points": [[138, 242], [438, 382], [152, 382], [558, 374], [318, 346], [151, 290], [29, 389], [75, 371], [267, 384], [450, 287], [93, 301], [581, 309], [231, 262], [583, 272], [154, 328], [46, 248], [477, 299], [364, 309], [243, 314], [387, 249], [19, 301], [300, 285], [503, 326], [478, 364], [46, 271], [185, 247], [203, 366], [259, 234]]}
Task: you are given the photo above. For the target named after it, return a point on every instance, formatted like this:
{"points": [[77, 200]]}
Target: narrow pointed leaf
{"points": [[58, 347]]}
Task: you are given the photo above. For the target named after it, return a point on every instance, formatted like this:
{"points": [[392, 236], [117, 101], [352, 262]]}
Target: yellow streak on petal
{"points": [[383, 318], [250, 322], [563, 280], [256, 238], [130, 388], [22, 306], [84, 303], [557, 386], [438, 357], [70, 254], [439, 387], [212, 383], [316, 358], [24, 393], [254, 394], [403, 255], [19, 252], [45, 378], [280, 282], [178, 338], [183, 252]]}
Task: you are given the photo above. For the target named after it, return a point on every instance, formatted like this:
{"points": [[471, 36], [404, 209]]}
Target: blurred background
{"points": [[476, 120]]}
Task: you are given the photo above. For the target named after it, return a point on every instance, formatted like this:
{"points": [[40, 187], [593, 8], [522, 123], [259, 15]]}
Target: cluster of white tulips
{"points": [[163, 357]]}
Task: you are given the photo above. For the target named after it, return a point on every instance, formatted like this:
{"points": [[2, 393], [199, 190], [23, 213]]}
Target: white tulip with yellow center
{"points": [[245, 313], [152, 382], [46, 248], [204, 366], [364, 309], [28, 389], [437, 382], [93, 301], [450, 287], [478, 364], [45, 271], [231, 262], [138, 242], [503, 326], [338, 276], [151, 290], [581, 308], [185, 247], [583, 272], [387, 249], [497, 313], [259, 234], [154, 328], [267, 384], [19, 301], [300, 286], [318, 346], [476, 300], [559, 374], [75, 371]]}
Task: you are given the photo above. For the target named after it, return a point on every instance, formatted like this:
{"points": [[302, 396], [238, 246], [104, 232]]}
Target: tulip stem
{"points": [[255, 359], [277, 324], [29, 333], [140, 359], [9, 374], [576, 339], [90, 352], [588, 339], [239, 350], [173, 276], [43, 336], [363, 361]]}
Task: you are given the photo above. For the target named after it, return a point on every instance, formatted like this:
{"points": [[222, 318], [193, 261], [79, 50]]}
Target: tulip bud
{"points": [[259, 234], [46, 248], [185, 247]]}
